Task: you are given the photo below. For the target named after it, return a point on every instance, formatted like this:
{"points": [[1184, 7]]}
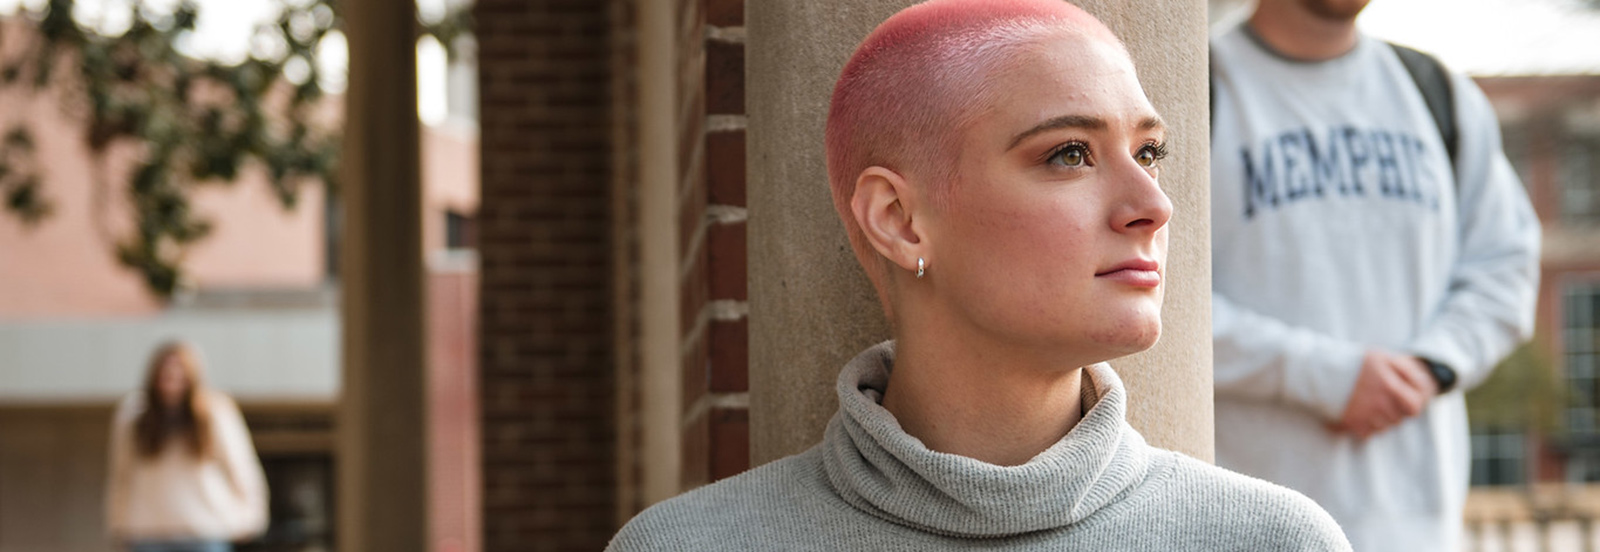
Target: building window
{"points": [[460, 232], [332, 233], [1580, 180], [1498, 457], [301, 493], [1581, 358]]}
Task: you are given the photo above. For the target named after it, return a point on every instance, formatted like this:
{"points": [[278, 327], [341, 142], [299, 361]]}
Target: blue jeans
{"points": [[182, 546]]}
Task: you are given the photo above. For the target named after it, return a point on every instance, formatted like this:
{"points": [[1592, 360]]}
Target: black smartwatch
{"points": [[1442, 374]]}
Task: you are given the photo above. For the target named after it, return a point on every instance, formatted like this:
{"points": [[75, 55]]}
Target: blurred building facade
{"points": [[76, 329], [1551, 131]]}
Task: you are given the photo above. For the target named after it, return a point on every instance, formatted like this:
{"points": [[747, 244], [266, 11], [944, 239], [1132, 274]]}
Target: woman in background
{"points": [[184, 475]]}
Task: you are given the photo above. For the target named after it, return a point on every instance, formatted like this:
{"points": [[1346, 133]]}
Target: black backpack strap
{"points": [[1211, 78], [1434, 83]]}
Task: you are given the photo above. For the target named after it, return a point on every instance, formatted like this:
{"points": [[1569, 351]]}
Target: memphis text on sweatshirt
{"points": [[1306, 164]]}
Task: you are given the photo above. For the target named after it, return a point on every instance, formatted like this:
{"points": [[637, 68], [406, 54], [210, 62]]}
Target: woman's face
{"points": [[1056, 237], [171, 382]]}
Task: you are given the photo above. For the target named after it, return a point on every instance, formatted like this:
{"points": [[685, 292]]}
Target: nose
{"points": [[1141, 206]]}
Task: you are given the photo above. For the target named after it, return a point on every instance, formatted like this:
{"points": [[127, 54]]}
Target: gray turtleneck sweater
{"points": [[871, 486]]}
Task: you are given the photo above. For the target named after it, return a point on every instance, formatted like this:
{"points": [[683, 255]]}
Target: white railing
{"points": [[1540, 518]]}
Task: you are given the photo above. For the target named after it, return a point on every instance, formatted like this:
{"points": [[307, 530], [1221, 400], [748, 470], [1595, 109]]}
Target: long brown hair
{"points": [[192, 421]]}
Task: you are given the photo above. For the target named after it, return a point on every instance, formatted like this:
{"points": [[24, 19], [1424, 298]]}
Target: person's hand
{"points": [[1390, 388]]}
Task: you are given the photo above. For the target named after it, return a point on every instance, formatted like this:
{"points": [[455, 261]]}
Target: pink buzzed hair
{"points": [[916, 82]]}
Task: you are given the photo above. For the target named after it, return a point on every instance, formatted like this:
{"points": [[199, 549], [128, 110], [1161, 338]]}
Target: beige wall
{"points": [[449, 176], [66, 266]]}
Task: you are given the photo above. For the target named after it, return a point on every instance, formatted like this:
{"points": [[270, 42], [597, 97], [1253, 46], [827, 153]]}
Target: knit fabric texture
{"points": [[871, 486]]}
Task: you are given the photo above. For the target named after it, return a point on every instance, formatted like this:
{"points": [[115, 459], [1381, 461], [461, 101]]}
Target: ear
{"points": [[885, 207]]}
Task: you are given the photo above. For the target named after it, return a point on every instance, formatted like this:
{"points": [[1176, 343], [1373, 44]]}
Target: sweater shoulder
{"points": [[221, 402], [1244, 509], [129, 407], [733, 514]]}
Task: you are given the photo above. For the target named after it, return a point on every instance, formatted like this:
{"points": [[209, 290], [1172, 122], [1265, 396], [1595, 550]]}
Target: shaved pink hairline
{"points": [[914, 85]]}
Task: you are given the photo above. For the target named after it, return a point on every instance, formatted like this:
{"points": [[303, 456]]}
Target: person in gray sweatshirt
{"points": [[996, 164]]}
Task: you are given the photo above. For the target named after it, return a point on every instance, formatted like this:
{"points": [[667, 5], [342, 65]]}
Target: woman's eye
{"points": [[1150, 154], [1071, 155]]}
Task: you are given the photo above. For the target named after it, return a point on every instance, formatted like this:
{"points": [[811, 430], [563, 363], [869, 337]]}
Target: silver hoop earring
{"points": [[922, 267]]}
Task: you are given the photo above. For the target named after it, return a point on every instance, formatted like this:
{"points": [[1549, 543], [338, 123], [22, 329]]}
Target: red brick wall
{"points": [[453, 459], [560, 428], [716, 440], [546, 340]]}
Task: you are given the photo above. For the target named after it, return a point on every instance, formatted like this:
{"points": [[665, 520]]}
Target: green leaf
{"points": [[1523, 392], [194, 121]]}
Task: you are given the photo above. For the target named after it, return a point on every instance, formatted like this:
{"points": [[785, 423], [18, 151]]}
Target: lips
{"points": [[1134, 272]]}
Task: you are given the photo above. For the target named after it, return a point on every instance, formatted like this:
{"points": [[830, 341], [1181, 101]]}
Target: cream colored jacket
{"points": [[176, 495]]}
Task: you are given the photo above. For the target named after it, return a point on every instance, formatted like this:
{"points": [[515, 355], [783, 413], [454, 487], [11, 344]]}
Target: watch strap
{"points": [[1442, 374]]}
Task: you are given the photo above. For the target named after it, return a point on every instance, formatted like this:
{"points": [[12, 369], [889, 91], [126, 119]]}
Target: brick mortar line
{"points": [[725, 35], [726, 123], [728, 310], [710, 401], [697, 156], [715, 215], [720, 310], [726, 214]]}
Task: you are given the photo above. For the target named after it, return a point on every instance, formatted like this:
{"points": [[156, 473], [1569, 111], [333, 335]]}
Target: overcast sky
{"points": [[1489, 37], [1495, 37]]}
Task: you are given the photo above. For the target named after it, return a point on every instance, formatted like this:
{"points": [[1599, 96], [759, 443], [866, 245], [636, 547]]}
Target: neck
{"points": [[960, 393], [1296, 32]]}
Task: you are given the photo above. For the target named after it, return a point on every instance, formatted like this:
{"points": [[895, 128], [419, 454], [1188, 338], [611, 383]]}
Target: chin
{"points": [[1337, 10], [1144, 337], [1129, 336]]}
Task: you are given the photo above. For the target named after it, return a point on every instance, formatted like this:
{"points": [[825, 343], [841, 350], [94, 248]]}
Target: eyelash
{"points": [[1157, 149], [1050, 156]]}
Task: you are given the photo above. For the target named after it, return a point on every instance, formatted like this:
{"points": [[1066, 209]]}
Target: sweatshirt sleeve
{"points": [[1265, 359], [1489, 308], [119, 461], [243, 467]]}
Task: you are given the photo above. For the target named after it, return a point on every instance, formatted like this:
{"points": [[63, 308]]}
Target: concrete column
{"points": [[811, 307], [381, 421], [660, 379]]}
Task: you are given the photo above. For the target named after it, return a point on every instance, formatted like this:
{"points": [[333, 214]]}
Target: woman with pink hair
{"points": [[184, 475], [996, 164]]}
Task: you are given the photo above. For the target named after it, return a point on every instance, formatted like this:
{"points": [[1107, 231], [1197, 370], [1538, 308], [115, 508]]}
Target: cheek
{"points": [[1036, 239], [1025, 257]]}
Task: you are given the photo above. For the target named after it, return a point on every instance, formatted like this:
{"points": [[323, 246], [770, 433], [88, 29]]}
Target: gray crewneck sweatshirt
{"points": [[871, 486]]}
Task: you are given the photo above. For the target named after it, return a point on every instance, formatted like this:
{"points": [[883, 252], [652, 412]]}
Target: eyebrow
{"points": [[1087, 122]]}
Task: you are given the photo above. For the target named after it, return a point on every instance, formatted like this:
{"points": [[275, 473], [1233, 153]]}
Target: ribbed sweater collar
{"points": [[880, 469]]}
